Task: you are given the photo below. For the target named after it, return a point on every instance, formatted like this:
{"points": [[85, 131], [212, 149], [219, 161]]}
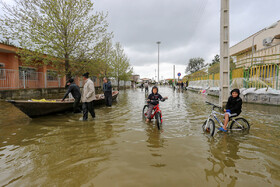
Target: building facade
{"points": [[264, 43], [13, 75], [259, 56]]}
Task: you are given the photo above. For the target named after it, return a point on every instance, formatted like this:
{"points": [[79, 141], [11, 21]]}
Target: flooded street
{"points": [[119, 149]]}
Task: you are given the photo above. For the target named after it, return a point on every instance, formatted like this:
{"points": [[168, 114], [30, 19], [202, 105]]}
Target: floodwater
{"points": [[119, 149]]}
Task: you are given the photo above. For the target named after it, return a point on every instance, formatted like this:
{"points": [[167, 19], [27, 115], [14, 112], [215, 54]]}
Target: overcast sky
{"points": [[186, 29]]}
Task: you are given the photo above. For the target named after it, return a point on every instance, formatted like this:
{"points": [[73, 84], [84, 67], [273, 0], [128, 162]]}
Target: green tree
{"points": [[7, 41], [122, 69], [100, 65], [60, 33], [195, 64], [215, 68], [215, 60]]}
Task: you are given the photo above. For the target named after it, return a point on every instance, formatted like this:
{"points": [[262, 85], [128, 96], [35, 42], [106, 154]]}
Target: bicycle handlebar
{"points": [[163, 99], [214, 106], [159, 100]]}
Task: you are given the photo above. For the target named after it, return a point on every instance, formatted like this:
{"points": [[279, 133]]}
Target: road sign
{"points": [[179, 74]]}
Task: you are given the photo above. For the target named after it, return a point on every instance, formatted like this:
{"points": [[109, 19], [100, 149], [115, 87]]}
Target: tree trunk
{"points": [[67, 67], [118, 84]]}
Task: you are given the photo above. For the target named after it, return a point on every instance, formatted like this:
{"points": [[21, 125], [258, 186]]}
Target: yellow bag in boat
{"points": [[43, 100]]}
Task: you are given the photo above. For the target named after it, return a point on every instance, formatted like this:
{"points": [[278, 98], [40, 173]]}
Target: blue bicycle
{"points": [[237, 124]]}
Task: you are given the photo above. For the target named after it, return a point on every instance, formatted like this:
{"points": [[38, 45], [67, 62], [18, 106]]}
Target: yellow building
{"points": [[262, 47], [259, 55]]}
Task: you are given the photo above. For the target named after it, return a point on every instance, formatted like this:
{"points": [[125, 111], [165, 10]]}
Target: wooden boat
{"points": [[36, 108]]}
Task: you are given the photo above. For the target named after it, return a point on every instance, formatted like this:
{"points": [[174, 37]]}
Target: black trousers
{"points": [[108, 98], [88, 107], [76, 104]]}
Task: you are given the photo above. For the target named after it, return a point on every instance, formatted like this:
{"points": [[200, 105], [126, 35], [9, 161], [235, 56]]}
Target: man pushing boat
{"points": [[75, 91]]}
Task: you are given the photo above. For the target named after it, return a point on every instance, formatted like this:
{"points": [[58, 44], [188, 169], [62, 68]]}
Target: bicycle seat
{"points": [[233, 116]]}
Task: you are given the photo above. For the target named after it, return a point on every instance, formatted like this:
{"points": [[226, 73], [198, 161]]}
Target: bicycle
{"points": [[238, 124], [157, 114]]}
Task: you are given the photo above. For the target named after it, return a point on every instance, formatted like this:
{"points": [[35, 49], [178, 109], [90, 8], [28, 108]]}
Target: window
{"points": [[30, 73], [52, 75], [2, 71]]}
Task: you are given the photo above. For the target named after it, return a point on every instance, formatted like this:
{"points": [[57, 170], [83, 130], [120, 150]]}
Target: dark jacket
{"points": [[74, 90], [154, 98], [234, 105], [107, 87]]}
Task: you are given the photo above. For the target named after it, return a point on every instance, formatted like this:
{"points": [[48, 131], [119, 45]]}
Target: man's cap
{"points": [[86, 74], [71, 80]]}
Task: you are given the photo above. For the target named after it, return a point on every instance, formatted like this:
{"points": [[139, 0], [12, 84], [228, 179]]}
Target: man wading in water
{"points": [[88, 97], [107, 89], [75, 91]]}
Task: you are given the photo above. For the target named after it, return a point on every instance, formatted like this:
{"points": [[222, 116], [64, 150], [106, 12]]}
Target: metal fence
{"points": [[269, 55], [122, 83], [256, 76], [16, 79], [260, 76]]}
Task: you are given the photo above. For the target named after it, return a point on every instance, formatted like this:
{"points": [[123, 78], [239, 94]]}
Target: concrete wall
{"points": [[257, 98], [38, 93], [267, 99]]}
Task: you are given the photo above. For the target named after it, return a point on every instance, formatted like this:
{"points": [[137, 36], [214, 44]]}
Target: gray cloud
{"points": [[186, 28]]}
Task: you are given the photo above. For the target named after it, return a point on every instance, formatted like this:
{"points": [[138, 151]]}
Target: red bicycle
{"points": [[157, 114]]}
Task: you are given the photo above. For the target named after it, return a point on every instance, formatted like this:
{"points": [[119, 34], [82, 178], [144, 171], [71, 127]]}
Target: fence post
{"points": [[213, 79], [230, 78], [277, 76], [59, 83], [244, 78], [208, 80], [23, 74], [46, 80]]}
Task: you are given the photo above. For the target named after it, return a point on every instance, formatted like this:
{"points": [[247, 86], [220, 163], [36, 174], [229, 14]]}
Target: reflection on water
{"points": [[118, 148], [223, 154]]}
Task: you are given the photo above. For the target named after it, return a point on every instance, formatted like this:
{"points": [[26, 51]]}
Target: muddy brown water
{"points": [[119, 149]]}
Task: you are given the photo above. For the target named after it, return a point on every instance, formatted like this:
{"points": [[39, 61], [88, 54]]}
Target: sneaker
{"points": [[222, 129]]}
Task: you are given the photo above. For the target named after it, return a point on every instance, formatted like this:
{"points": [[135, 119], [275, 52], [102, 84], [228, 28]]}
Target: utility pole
{"points": [[174, 77], [224, 53], [158, 59], [155, 75]]}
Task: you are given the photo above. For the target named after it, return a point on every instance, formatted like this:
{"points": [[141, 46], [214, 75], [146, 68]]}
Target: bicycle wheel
{"points": [[158, 120], [209, 127], [240, 124], [144, 112]]}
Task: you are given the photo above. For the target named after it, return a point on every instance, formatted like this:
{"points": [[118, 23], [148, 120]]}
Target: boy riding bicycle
{"points": [[233, 107], [153, 100]]}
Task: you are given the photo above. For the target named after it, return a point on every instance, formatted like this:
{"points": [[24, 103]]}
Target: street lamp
{"points": [[253, 48], [158, 59]]}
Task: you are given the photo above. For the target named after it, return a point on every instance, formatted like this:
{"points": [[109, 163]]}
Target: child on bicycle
{"points": [[153, 100], [233, 107]]}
